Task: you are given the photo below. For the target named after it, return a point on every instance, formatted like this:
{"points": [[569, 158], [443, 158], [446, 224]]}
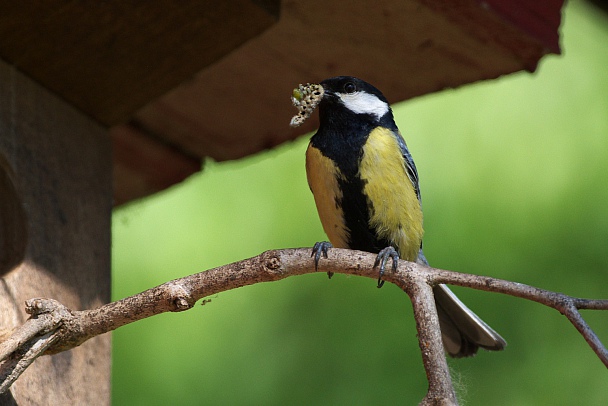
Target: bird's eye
{"points": [[349, 87]]}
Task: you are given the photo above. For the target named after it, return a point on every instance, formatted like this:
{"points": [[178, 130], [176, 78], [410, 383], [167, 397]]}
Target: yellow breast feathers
{"points": [[395, 212]]}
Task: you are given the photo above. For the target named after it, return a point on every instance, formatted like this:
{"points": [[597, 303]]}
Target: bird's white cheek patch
{"points": [[364, 103]]}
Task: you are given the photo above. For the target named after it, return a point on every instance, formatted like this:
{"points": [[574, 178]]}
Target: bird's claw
{"points": [[321, 248], [382, 259]]}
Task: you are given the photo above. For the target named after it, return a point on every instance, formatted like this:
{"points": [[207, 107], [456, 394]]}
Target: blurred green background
{"points": [[514, 179]]}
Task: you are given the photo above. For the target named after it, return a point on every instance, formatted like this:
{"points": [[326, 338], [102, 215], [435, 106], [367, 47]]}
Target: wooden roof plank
{"points": [[109, 58]]}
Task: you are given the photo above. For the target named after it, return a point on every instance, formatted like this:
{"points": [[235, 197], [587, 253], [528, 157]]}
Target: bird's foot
{"points": [[382, 259], [321, 248]]}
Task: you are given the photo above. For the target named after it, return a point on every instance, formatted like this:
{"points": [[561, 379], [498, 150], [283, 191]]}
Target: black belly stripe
{"points": [[356, 209]]}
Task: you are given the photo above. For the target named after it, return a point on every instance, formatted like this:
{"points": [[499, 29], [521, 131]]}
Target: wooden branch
{"points": [[441, 390], [54, 328]]}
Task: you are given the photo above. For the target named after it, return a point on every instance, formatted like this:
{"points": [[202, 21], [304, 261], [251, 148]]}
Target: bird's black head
{"points": [[348, 98]]}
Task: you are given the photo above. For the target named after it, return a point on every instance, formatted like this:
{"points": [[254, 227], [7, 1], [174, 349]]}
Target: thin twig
{"points": [[13, 366], [590, 304], [570, 310], [566, 305]]}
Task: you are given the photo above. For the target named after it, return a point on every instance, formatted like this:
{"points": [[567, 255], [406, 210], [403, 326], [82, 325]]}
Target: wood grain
{"points": [[111, 57], [56, 168]]}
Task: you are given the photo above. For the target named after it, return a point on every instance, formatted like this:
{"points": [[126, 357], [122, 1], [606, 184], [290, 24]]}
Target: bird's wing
{"points": [[410, 166]]}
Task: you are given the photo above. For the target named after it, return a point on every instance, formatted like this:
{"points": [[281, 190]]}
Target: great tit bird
{"points": [[366, 189]]}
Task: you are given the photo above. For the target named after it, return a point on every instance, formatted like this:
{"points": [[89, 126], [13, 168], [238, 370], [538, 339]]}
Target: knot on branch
{"points": [[180, 297], [271, 262], [55, 313]]}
